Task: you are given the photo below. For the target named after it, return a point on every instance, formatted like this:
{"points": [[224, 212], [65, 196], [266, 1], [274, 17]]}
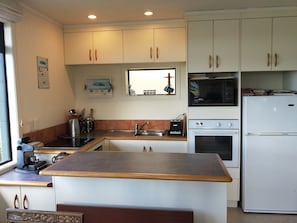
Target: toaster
{"points": [[176, 127]]}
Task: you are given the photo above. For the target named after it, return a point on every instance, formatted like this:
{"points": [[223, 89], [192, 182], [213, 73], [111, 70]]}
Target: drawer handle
{"points": [[90, 55], [144, 149], [25, 202], [151, 150], [16, 202], [217, 61]]}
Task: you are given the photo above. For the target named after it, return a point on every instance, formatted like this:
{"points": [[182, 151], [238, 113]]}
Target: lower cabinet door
{"points": [[23, 197]]}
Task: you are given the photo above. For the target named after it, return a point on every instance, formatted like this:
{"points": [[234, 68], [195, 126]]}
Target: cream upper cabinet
{"points": [[93, 47], [256, 44], [284, 47], [170, 44], [154, 45], [213, 46], [108, 47], [269, 44], [78, 48], [138, 45]]}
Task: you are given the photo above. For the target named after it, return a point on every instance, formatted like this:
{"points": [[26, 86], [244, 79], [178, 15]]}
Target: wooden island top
{"points": [[138, 165]]}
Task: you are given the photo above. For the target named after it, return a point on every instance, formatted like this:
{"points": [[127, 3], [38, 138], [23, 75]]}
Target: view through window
{"points": [[151, 81], [5, 144]]}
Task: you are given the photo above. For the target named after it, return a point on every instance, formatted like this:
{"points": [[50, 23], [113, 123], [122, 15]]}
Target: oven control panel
{"points": [[213, 124]]}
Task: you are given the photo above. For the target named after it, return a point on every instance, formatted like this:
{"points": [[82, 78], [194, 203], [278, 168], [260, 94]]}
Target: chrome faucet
{"points": [[138, 128]]}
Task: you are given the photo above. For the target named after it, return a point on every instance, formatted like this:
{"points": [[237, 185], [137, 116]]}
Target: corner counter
{"points": [[196, 182]]}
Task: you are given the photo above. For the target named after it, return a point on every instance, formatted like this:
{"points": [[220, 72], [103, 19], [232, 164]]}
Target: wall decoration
{"points": [[42, 72], [98, 87]]}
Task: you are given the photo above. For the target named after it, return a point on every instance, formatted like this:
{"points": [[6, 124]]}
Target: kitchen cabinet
{"points": [[102, 47], [148, 146], [269, 44], [233, 187], [213, 46], [154, 45], [26, 197]]}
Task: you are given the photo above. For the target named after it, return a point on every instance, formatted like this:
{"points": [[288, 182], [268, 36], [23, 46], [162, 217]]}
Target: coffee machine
{"points": [[26, 160]]}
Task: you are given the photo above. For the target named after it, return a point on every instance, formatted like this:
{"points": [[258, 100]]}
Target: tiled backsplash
{"points": [[51, 133], [129, 124]]}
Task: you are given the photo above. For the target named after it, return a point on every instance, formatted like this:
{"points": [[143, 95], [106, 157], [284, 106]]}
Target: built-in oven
{"points": [[216, 136]]}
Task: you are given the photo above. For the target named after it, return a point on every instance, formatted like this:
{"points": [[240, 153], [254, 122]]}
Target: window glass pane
{"points": [[5, 146], [151, 81]]}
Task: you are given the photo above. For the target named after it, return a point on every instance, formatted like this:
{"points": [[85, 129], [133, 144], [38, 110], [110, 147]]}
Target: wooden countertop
{"points": [[17, 177], [101, 135], [136, 165]]}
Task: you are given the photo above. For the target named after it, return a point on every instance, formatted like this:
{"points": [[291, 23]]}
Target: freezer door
{"points": [[269, 114], [269, 174]]}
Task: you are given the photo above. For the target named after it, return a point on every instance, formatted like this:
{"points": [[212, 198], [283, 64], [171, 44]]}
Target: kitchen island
{"points": [[195, 182]]}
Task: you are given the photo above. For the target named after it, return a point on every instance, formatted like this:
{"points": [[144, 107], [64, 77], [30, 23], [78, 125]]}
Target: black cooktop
{"points": [[69, 142]]}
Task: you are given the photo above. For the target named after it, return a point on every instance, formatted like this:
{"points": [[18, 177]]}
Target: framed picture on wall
{"points": [[42, 73], [98, 87]]}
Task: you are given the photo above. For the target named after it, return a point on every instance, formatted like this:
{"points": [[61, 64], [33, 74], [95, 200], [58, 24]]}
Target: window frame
{"points": [[8, 146], [151, 69]]}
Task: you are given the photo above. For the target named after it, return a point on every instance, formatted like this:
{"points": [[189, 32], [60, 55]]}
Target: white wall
{"points": [[41, 108], [290, 80], [123, 107]]}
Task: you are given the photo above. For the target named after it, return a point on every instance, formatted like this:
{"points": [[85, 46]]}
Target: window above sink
{"points": [[156, 81]]}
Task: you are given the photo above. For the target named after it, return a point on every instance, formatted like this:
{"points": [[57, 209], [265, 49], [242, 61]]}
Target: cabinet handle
{"points": [[275, 60], [157, 53], [96, 58], [25, 202], [151, 53], [217, 61], [268, 59], [209, 61], [144, 149], [151, 150], [16, 202], [90, 54]]}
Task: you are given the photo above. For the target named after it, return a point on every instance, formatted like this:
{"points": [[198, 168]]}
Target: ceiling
{"points": [[73, 12]]}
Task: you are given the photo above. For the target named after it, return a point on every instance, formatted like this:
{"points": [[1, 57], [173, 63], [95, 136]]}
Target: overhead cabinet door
{"points": [[108, 47], [213, 46], [284, 43], [269, 44], [102, 47], [138, 45], [256, 44], [200, 46], [170, 44], [78, 48]]}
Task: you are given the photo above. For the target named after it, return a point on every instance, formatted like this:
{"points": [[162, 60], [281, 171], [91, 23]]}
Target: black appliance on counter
{"points": [[26, 160], [212, 90], [176, 127], [69, 142]]}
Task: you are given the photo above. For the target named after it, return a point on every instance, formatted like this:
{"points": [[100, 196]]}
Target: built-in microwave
{"points": [[212, 91]]}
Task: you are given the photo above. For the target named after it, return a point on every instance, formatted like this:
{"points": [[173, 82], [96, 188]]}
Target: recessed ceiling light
{"points": [[148, 13], [92, 16]]}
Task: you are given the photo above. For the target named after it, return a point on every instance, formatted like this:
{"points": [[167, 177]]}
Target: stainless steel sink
{"points": [[150, 133]]}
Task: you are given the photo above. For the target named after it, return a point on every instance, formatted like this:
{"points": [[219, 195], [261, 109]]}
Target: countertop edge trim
{"points": [[184, 177]]}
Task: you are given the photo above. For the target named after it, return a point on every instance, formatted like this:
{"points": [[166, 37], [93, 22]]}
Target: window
{"points": [[151, 81], [5, 143]]}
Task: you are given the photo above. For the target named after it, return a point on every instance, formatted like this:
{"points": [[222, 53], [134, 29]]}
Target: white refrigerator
{"points": [[269, 154]]}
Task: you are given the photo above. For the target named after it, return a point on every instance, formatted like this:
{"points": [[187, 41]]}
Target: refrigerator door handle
{"points": [[270, 133]]}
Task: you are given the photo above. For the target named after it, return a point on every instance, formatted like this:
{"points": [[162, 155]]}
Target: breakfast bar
{"points": [[195, 182]]}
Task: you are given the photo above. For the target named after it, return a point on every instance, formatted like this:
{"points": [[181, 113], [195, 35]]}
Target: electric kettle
{"points": [[74, 129]]}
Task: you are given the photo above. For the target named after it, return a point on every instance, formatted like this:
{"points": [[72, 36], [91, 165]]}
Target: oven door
{"points": [[223, 142]]}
